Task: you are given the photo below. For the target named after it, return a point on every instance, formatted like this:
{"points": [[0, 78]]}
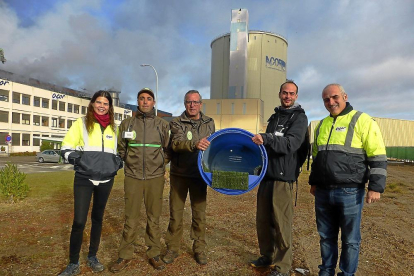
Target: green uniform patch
{"points": [[230, 180]]}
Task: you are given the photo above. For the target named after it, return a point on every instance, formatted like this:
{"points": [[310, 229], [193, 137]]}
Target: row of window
{"points": [[23, 139], [24, 119], [38, 120], [24, 99]]}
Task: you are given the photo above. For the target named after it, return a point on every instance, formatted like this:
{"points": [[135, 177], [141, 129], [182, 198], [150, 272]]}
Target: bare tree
{"points": [[2, 58]]}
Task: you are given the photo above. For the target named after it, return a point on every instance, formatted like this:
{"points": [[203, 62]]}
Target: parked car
{"points": [[48, 156]]}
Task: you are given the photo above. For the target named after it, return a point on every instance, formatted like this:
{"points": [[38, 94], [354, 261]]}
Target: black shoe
{"points": [[263, 261], [94, 264], [71, 269]]}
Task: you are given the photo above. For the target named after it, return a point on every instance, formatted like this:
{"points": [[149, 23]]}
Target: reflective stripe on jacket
{"points": [[97, 151], [348, 151], [185, 134], [145, 154]]}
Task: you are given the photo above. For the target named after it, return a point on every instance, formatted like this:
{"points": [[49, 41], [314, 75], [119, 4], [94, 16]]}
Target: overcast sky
{"points": [[367, 46]]}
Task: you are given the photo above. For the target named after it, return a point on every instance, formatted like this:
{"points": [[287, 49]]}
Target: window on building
{"points": [[4, 116], [16, 97], [232, 108], [76, 108], [26, 119], [25, 139], [36, 101], [84, 108], [36, 140], [25, 99], [244, 108], [218, 108], [54, 122], [61, 123], [4, 95], [70, 122], [45, 103], [54, 104], [36, 120], [15, 139], [45, 121], [70, 107], [61, 106], [15, 118], [3, 136]]}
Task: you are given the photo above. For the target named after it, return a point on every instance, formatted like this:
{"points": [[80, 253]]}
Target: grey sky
{"points": [[367, 46]]}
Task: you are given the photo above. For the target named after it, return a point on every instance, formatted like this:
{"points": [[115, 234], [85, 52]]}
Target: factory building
{"points": [[32, 111], [397, 135], [247, 69]]}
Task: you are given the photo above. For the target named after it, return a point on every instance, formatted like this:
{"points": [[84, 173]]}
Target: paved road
{"points": [[28, 164]]}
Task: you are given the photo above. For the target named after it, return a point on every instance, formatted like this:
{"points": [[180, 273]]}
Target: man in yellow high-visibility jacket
{"points": [[348, 151]]}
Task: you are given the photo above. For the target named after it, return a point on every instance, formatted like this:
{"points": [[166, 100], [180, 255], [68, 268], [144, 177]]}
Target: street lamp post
{"points": [[156, 88]]}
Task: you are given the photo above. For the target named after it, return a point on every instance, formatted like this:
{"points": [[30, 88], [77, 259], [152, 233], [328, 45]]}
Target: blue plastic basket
{"points": [[232, 149]]}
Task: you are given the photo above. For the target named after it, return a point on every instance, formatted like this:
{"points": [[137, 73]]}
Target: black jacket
{"points": [[285, 133]]}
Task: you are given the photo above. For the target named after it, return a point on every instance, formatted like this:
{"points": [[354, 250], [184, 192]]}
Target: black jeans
{"points": [[83, 190]]}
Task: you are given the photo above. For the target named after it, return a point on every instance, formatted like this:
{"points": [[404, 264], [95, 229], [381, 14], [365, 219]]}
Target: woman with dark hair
{"points": [[90, 145]]}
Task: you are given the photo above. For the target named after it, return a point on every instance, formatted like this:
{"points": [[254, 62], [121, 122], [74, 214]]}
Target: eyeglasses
{"points": [[192, 102]]}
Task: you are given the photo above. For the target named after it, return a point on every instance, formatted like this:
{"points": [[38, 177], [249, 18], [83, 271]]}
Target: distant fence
{"points": [[401, 153]]}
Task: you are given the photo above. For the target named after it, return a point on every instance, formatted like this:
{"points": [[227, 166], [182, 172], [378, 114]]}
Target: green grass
{"points": [[394, 188]]}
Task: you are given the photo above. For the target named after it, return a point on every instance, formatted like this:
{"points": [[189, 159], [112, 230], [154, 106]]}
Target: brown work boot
{"points": [[119, 265], [170, 256], [201, 258], [157, 263]]}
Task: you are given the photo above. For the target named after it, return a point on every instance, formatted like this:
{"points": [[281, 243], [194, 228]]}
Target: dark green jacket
{"points": [[185, 134], [145, 154]]}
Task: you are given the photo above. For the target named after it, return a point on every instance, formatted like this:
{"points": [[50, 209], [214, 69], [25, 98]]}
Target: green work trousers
{"points": [[151, 191], [274, 222], [197, 188]]}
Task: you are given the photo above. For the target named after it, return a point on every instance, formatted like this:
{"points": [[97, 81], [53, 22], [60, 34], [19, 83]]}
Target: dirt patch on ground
{"points": [[34, 234]]}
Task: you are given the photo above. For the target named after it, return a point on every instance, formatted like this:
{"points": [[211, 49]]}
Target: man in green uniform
{"points": [[189, 134], [142, 144]]}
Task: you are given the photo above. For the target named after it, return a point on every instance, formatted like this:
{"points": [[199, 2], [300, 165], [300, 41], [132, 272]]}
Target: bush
{"points": [[46, 146], [12, 184], [26, 153]]}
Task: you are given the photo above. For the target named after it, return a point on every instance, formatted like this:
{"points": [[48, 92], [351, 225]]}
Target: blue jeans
{"points": [[339, 209]]}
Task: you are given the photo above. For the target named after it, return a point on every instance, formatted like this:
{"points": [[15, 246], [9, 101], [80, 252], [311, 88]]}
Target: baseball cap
{"points": [[146, 90]]}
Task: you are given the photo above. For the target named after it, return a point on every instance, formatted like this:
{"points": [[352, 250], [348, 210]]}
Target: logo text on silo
{"points": [[275, 63]]}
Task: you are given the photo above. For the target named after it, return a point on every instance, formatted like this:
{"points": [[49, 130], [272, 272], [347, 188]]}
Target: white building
{"points": [[31, 110]]}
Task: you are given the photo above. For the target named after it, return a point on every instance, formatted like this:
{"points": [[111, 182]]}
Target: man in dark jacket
{"points": [[348, 151], [189, 134], [284, 136], [142, 144]]}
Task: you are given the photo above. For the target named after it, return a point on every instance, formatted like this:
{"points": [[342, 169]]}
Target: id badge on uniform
{"points": [[127, 135], [279, 131]]}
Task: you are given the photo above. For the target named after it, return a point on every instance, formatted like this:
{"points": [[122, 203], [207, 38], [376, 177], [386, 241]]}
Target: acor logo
{"points": [[275, 63], [340, 129], [57, 96], [3, 82]]}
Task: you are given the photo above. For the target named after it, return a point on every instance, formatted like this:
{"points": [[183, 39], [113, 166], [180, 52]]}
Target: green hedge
{"points": [[401, 153]]}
